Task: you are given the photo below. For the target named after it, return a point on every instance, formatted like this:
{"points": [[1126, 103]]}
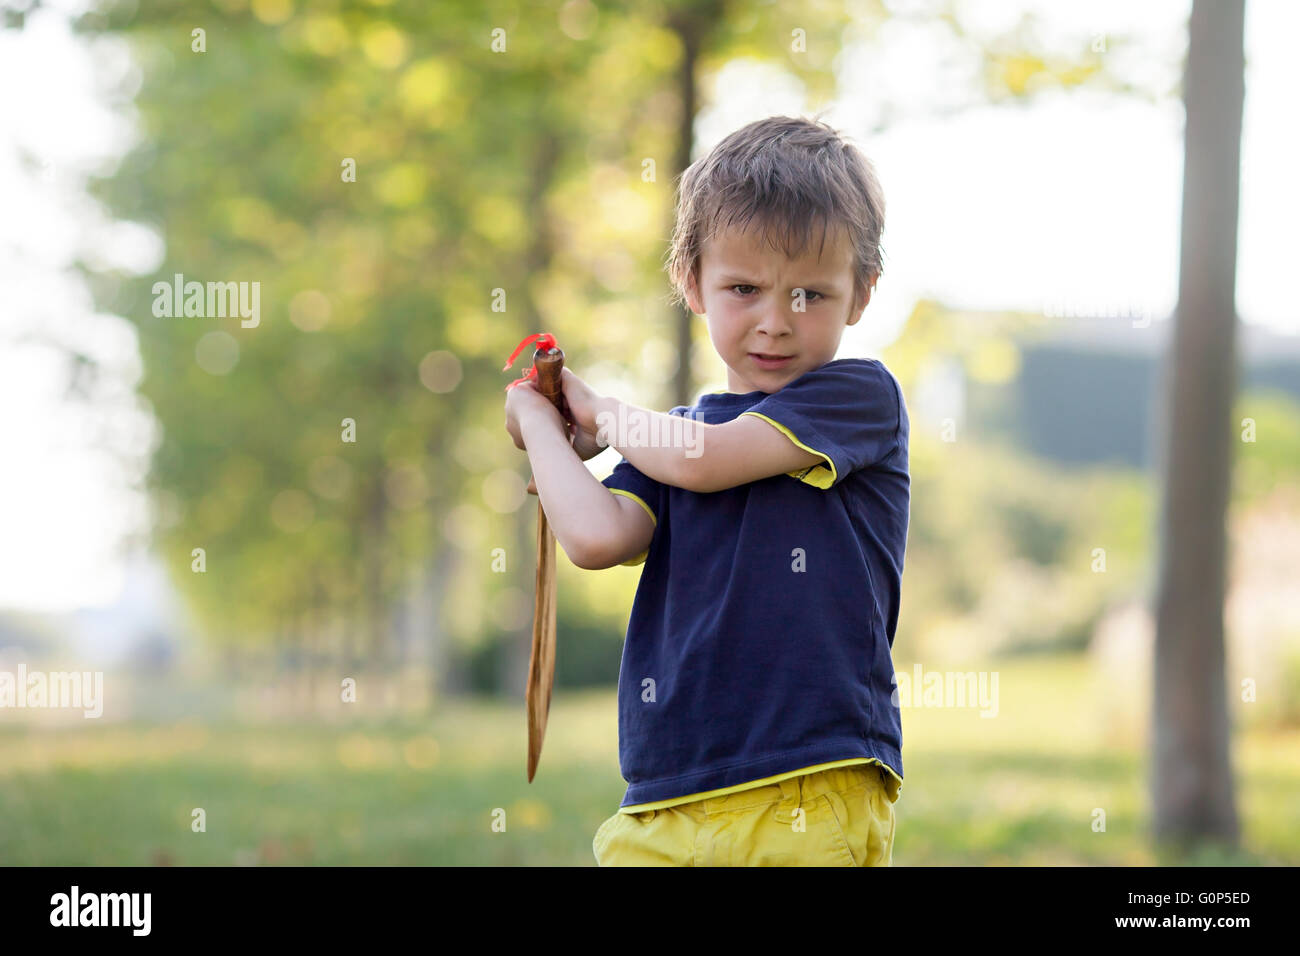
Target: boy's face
{"points": [[746, 290]]}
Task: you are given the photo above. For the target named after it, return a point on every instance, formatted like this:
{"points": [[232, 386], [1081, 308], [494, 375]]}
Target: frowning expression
{"points": [[752, 293]]}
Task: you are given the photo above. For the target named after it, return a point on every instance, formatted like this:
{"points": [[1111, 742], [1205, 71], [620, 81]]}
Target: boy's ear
{"points": [[860, 304], [692, 292]]}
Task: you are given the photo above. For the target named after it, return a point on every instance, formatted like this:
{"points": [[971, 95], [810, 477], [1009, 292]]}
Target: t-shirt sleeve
{"points": [[850, 413], [627, 480]]}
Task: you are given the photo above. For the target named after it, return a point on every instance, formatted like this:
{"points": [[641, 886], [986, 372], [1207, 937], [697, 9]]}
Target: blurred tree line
{"points": [[416, 188]]}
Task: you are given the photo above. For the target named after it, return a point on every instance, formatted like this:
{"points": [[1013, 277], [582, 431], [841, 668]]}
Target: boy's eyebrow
{"points": [[737, 277]]}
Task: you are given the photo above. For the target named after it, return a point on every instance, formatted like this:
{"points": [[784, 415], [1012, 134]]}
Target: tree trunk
{"points": [[1192, 784], [377, 596], [692, 23], [688, 33]]}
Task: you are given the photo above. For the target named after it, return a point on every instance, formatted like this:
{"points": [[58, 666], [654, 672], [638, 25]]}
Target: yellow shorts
{"points": [[847, 819]]}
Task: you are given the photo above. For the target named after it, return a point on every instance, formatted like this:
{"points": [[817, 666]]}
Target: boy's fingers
{"points": [[532, 486]]}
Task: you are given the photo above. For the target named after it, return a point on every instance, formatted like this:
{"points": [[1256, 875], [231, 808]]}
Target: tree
{"points": [[1192, 784]]}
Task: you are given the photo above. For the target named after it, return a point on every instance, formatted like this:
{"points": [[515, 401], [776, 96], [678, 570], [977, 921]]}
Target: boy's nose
{"points": [[775, 320]]}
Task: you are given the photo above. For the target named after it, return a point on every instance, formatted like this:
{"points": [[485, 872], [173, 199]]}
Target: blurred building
{"points": [[143, 629], [1087, 388]]}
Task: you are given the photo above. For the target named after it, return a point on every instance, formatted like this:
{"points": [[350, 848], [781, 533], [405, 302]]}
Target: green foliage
{"points": [[1266, 429], [481, 170], [457, 150]]}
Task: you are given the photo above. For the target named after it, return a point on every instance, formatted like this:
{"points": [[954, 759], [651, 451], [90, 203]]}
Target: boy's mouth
{"points": [[766, 360]]}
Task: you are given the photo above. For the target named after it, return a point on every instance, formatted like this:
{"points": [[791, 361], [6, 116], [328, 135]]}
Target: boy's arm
{"points": [[596, 528], [698, 456]]}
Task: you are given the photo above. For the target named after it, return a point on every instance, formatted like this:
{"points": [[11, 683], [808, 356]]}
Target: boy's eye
{"points": [[808, 293]]}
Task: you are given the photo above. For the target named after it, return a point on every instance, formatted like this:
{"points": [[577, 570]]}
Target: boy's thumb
{"points": [[532, 486]]}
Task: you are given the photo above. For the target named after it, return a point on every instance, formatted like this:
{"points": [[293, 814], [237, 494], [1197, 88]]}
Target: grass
{"points": [[1023, 787]]}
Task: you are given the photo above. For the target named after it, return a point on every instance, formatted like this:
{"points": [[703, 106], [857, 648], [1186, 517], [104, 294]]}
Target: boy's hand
{"points": [[583, 403], [584, 442], [524, 402]]}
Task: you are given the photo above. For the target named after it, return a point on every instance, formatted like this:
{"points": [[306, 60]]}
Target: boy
{"points": [[756, 725]]}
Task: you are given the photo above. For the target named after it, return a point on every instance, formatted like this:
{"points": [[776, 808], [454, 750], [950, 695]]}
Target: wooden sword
{"points": [[548, 361]]}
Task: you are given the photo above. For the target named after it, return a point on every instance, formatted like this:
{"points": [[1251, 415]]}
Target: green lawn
{"points": [[1020, 788]]}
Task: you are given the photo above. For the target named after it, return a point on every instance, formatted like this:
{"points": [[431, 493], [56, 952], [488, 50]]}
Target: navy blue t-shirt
{"points": [[760, 635]]}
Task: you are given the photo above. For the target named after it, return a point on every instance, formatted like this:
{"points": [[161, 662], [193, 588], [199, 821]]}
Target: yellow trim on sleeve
{"points": [[690, 798], [620, 491], [814, 475], [640, 558]]}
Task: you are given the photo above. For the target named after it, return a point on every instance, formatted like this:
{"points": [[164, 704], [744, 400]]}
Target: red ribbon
{"points": [[544, 340]]}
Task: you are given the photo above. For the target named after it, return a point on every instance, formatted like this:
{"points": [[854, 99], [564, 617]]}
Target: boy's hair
{"points": [[791, 175]]}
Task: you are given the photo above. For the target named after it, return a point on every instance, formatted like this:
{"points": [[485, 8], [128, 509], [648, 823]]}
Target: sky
{"points": [[1071, 204]]}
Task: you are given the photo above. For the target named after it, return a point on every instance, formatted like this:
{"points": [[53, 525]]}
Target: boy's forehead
{"points": [[732, 249]]}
